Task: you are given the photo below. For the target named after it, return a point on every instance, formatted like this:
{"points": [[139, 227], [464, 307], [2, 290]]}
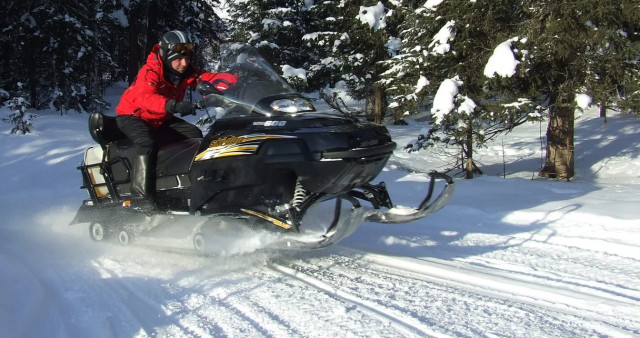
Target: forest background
{"points": [[432, 59]]}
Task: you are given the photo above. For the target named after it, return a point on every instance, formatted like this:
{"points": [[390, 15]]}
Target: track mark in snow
{"points": [[234, 305], [132, 294], [410, 326], [597, 276], [442, 308], [591, 304]]}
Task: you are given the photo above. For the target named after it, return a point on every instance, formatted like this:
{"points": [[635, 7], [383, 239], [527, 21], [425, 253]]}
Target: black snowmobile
{"points": [[268, 158]]}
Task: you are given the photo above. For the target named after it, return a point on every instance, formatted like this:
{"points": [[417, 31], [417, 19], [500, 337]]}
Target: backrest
{"points": [[104, 130]]}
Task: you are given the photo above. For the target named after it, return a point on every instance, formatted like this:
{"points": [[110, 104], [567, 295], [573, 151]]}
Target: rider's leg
{"points": [[143, 162]]}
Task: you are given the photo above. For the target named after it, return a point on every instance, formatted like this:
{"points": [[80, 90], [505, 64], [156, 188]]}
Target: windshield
{"points": [[258, 84]]}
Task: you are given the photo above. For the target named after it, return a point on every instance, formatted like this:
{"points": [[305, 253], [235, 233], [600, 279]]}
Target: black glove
{"points": [[182, 108]]}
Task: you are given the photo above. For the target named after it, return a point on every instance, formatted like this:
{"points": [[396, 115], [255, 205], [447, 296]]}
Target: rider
{"points": [[146, 110]]}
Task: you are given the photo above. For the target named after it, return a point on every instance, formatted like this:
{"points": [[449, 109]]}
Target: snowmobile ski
{"points": [[406, 215]]}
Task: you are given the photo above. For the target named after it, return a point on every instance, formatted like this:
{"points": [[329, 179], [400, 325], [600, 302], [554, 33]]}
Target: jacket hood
{"points": [[154, 61]]}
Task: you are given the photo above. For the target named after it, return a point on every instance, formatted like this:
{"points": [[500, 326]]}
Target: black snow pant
{"points": [[146, 141]]}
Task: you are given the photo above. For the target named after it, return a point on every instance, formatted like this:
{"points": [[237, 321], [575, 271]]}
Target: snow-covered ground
{"points": [[518, 256]]}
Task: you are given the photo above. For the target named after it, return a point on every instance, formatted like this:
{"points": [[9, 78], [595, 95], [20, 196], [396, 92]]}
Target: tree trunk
{"points": [[153, 36], [29, 59], [468, 153], [378, 104], [134, 51], [560, 149], [603, 112]]}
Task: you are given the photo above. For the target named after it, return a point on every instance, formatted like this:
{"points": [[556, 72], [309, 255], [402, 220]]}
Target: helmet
{"points": [[175, 44]]}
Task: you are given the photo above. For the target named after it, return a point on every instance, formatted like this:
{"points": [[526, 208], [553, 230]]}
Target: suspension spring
{"points": [[299, 195]]}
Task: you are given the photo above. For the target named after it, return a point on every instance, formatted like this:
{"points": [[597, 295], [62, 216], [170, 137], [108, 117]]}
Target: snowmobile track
{"points": [[410, 326], [416, 304], [140, 307], [592, 304]]}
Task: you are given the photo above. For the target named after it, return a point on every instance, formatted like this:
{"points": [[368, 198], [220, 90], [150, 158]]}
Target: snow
{"points": [[289, 72], [439, 44], [432, 4], [583, 100], [511, 255], [393, 46], [467, 106], [444, 101], [502, 62], [422, 82], [373, 16]]}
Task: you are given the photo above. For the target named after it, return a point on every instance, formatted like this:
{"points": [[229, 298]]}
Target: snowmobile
{"points": [[268, 158]]}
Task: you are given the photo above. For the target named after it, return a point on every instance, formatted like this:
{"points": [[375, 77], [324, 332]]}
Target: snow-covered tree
{"points": [[483, 67], [322, 42], [71, 50], [52, 49], [21, 50], [451, 52], [19, 117], [275, 27], [110, 29], [578, 47], [349, 40]]}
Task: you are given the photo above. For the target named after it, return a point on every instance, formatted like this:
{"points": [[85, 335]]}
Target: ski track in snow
{"points": [[392, 285]]}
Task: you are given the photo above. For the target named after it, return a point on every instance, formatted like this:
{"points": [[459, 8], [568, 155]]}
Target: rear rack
{"points": [[95, 184]]}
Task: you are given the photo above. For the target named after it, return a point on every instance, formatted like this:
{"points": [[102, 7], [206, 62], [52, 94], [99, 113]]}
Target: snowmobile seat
{"points": [[104, 130]]}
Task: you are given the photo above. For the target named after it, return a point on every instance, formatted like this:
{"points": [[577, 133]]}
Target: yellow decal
{"points": [[268, 218], [225, 141], [236, 146]]}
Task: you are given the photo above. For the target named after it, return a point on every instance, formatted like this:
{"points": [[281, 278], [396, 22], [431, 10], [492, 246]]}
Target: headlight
{"points": [[296, 105]]}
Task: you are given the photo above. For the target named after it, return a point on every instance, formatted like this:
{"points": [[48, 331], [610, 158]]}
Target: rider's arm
{"points": [[152, 92]]}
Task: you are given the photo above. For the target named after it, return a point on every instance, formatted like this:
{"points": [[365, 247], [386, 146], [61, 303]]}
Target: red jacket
{"points": [[147, 96]]}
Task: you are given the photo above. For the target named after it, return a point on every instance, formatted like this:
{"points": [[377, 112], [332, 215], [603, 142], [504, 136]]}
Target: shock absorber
{"points": [[299, 195]]}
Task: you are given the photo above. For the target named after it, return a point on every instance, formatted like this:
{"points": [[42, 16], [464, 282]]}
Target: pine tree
{"points": [[561, 49], [332, 41], [71, 52], [324, 37], [111, 33], [613, 74], [52, 50], [275, 27], [22, 51], [442, 67], [350, 46], [19, 117], [583, 46]]}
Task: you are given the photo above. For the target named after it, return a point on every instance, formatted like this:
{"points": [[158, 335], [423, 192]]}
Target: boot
{"points": [[142, 183]]}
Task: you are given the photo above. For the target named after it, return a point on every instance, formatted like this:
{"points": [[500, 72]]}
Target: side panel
{"points": [[242, 176]]}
